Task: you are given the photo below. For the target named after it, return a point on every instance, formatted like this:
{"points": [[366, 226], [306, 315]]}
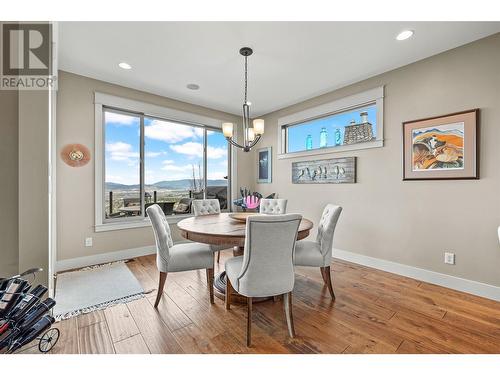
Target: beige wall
{"points": [[9, 182], [414, 222], [75, 186], [34, 182], [410, 222]]}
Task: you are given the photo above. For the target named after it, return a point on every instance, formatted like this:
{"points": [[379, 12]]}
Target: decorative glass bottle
{"points": [[323, 138], [338, 137], [309, 142]]}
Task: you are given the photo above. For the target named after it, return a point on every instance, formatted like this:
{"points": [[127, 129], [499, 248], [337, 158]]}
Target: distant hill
{"points": [[184, 184], [115, 186]]}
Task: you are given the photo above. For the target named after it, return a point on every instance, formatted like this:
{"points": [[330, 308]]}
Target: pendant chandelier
{"points": [[251, 135]]}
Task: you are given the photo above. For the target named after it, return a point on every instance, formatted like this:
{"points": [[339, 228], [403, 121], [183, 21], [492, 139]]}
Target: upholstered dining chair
{"points": [[180, 257], [266, 267], [273, 206], [208, 207], [319, 253]]}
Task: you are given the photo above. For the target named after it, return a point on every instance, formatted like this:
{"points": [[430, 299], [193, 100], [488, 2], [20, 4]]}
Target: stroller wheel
{"points": [[48, 340]]}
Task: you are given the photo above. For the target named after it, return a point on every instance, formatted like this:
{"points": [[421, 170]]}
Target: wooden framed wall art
{"points": [[442, 148]]}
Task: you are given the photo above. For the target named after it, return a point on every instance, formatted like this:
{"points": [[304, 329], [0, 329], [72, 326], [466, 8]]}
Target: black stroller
{"points": [[24, 317]]}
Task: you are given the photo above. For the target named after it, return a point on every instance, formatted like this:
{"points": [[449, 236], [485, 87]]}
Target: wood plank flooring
{"points": [[375, 312]]}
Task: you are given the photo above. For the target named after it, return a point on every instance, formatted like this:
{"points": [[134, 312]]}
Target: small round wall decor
{"points": [[75, 155]]}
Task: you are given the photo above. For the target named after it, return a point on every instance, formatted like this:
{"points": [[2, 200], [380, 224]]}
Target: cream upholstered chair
{"points": [[273, 206], [266, 267], [177, 258], [208, 207], [319, 253]]}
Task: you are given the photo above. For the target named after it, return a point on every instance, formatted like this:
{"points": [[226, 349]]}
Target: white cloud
{"points": [[216, 175], [193, 149], [126, 179], [198, 132], [178, 172], [190, 149], [115, 179], [121, 151], [216, 152], [172, 170], [119, 119], [171, 132], [153, 154], [177, 168]]}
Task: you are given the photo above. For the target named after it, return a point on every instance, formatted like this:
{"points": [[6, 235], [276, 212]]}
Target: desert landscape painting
{"points": [[439, 147]]}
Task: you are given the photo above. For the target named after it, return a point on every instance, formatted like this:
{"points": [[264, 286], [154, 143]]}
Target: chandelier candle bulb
{"points": [[258, 126], [250, 134], [227, 129]]}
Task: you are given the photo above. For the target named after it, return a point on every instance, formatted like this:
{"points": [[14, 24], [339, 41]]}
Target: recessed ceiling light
{"points": [[403, 35], [125, 66], [193, 86]]}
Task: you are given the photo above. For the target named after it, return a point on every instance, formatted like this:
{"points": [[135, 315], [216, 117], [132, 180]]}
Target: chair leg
{"points": [[249, 321], [218, 256], [325, 271], [210, 284], [287, 304], [229, 290], [161, 284], [322, 270]]}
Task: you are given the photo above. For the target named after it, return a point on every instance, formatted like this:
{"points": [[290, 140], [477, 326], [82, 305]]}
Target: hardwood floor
{"points": [[374, 312]]}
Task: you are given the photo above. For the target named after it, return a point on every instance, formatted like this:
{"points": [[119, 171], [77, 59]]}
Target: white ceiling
{"points": [[292, 61]]}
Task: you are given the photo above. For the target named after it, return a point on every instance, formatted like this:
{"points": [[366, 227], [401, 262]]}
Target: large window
{"points": [[217, 168], [351, 123], [122, 160], [150, 160]]}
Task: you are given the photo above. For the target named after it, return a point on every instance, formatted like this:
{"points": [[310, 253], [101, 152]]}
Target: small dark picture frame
{"points": [[442, 147], [264, 165]]}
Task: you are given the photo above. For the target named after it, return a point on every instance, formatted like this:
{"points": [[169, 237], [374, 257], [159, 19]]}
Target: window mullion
{"points": [[141, 168], [205, 163]]}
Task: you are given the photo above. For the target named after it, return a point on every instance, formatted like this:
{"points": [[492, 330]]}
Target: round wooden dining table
{"points": [[221, 229]]}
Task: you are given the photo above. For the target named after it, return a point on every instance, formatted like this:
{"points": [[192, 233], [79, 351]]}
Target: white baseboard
{"points": [[452, 282], [69, 264]]}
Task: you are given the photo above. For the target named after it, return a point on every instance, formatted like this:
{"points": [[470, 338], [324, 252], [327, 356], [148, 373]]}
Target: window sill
{"points": [[110, 226], [331, 150]]}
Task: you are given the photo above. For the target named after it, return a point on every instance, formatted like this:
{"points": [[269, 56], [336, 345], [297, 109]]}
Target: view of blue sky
{"points": [[171, 149], [297, 134]]}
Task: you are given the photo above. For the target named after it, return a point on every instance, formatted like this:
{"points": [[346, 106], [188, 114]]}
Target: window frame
{"points": [[370, 97], [126, 106]]}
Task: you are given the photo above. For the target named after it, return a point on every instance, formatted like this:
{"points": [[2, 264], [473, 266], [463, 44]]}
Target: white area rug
{"points": [[94, 288]]}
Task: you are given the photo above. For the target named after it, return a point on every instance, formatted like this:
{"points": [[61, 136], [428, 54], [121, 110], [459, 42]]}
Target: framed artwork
{"points": [[264, 168], [327, 171], [442, 148]]}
